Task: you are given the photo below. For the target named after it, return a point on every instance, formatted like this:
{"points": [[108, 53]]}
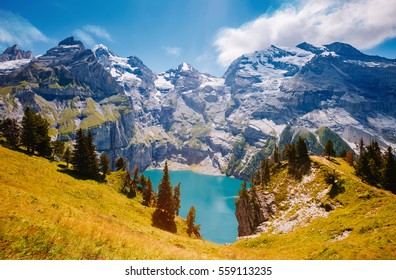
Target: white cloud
{"points": [[15, 29], [89, 33], [174, 51], [362, 23], [98, 31]]}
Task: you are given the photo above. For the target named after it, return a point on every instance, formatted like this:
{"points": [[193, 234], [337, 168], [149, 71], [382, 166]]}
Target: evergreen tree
{"points": [[389, 171], [349, 158], [104, 164], [42, 140], [276, 154], [265, 172], [120, 164], [148, 194], [29, 130], [67, 156], [362, 165], [242, 193], [128, 187], [84, 157], [191, 227], [165, 198], [11, 131], [58, 149], [290, 153], [93, 163], [176, 199], [302, 150], [79, 158], [329, 149], [136, 179], [143, 181]]}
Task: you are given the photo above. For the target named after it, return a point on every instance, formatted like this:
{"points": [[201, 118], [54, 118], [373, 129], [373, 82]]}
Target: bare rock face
{"points": [[253, 209]]}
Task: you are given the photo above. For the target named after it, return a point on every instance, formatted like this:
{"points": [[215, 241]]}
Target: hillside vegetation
{"points": [[45, 213]]}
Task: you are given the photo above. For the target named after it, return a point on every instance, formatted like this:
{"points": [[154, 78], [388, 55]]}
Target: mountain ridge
{"points": [[192, 118]]}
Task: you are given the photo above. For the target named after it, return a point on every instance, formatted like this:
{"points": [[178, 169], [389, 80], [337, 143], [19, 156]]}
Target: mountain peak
{"points": [[185, 67], [70, 41], [14, 53], [343, 49]]}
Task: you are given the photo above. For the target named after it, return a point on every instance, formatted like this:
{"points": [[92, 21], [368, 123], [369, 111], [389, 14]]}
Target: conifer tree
{"points": [[276, 154], [265, 172], [191, 227], [93, 163], [176, 199], [29, 130], [67, 156], [302, 150], [165, 197], [148, 194], [389, 171], [136, 179], [104, 164], [79, 158], [350, 157], [84, 157], [58, 149], [128, 187], [329, 149], [11, 131], [42, 141], [290, 153], [120, 164]]}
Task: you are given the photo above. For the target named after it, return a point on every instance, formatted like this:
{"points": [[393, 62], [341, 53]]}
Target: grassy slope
{"points": [[365, 213], [47, 214]]}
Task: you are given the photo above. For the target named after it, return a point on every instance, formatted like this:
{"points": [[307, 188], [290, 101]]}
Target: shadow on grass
{"points": [[78, 176]]}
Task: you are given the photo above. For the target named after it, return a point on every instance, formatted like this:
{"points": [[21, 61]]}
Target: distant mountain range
{"points": [[217, 125]]}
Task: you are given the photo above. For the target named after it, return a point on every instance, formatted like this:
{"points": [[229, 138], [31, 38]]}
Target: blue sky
{"points": [[209, 34]]}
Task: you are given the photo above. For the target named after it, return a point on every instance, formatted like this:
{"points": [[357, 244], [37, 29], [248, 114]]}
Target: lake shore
{"points": [[205, 167]]}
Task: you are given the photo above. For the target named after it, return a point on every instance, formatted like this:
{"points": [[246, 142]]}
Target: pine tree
{"points": [[148, 194], [191, 227], [176, 199], [11, 131], [350, 157], [42, 141], [104, 165], [329, 149], [84, 157], [165, 197], [136, 179], [389, 171], [120, 164], [128, 188], [93, 163], [265, 172], [79, 158], [290, 153], [67, 156], [302, 150], [58, 149], [29, 130], [276, 154]]}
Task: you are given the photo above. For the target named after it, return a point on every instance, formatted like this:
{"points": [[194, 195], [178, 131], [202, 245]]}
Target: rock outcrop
{"points": [[253, 209]]}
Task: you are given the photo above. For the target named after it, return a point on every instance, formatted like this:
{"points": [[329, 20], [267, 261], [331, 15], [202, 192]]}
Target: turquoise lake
{"points": [[213, 198]]}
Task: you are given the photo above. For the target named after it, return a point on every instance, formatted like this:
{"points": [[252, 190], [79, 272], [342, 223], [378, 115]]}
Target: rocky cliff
{"points": [[285, 204]]}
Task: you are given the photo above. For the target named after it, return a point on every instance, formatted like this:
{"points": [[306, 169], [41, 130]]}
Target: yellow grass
{"points": [[47, 214]]}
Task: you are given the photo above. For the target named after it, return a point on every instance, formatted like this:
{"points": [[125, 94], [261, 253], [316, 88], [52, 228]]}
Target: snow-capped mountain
{"points": [[192, 118], [13, 58]]}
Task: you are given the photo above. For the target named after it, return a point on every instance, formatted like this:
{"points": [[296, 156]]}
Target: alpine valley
{"points": [[197, 121]]}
